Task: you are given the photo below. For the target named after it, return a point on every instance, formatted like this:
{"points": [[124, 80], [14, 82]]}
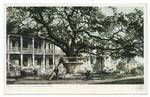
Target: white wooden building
{"points": [[28, 53]]}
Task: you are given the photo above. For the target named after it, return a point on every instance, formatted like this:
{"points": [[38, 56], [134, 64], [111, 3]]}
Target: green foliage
{"points": [[97, 66], [127, 81], [121, 66], [109, 76], [25, 64], [141, 68], [133, 71], [83, 29], [138, 70]]}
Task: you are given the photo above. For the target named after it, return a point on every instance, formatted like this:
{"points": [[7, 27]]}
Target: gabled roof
{"points": [[133, 61]]}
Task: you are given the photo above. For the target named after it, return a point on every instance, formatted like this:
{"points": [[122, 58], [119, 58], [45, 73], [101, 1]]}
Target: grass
{"points": [[127, 81], [109, 76]]}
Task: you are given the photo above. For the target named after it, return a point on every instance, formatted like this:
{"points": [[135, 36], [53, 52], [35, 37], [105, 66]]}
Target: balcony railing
{"points": [[30, 50], [38, 50], [27, 50], [47, 51], [15, 49]]}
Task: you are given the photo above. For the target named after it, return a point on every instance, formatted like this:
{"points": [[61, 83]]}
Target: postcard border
{"points": [[79, 89]]}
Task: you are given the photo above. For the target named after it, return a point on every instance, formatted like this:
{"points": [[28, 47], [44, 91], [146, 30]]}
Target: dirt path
{"points": [[62, 81]]}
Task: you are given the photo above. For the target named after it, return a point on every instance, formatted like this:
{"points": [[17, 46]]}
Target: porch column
{"points": [[8, 67], [94, 60], [89, 60], [53, 47], [86, 62], [10, 42], [53, 56], [21, 60], [43, 54], [53, 62], [33, 59], [43, 62], [21, 41]]}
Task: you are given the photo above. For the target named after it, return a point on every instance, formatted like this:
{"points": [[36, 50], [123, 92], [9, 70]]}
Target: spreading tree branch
{"points": [[60, 41], [93, 36]]}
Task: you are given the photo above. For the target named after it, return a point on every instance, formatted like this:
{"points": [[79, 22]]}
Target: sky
{"points": [[108, 11]]}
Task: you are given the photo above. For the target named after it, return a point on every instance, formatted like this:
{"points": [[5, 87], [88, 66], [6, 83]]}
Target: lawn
{"points": [[109, 76], [127, 81]]}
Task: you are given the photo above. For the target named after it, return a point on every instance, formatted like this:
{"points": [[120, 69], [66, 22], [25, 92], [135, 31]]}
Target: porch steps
{"points": [[14, 70], [10, 63], [53, 73]]}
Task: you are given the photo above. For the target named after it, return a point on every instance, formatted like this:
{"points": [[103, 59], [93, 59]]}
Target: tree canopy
{"points": [[82, 29]]}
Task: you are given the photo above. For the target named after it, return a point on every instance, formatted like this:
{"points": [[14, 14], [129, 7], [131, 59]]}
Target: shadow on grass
{"points": [[127, 81], [109, 76]]}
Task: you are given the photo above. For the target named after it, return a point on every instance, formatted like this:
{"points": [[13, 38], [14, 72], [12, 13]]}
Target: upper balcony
{"points": [[31, 51], [30, 45]]}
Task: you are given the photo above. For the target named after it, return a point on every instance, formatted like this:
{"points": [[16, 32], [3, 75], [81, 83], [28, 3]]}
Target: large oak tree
{"points": [[81, 29]]}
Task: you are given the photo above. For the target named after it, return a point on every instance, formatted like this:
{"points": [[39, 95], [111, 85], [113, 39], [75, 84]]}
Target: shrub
{"points": [[121, 66], [138, 70], [97, 66], [133, 71]]}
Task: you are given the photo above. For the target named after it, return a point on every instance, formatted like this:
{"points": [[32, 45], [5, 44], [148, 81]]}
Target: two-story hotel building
{"points": [[25, 53]]}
